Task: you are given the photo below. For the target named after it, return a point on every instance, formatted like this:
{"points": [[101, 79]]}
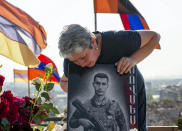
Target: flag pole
{"points": [[28, 84], [14, 77], [95, 16]]}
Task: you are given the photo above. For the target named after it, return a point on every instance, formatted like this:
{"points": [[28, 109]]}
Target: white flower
{"points": [[58, 128], [37, 81], [45, 129], [134, 129]]}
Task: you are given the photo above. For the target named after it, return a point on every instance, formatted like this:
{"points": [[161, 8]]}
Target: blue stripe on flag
{"points": [[20, 75], [18, 34], [135, 23]]}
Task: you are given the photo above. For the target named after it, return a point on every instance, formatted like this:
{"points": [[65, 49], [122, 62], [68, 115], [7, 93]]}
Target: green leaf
{"points": [[55, 110], [50, 76], [43, 116], [50, 105], [53, 70], [48, 87], [40, 128], [0, 89], [4, 124], [37, 119], [47, 109], [45, 95], [39, 101], [41, 76], [31, 101], [47, 70], [37, 86], [44, 107]]}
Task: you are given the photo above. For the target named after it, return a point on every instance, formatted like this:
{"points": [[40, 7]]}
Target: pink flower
{"points": [[2, 78]]}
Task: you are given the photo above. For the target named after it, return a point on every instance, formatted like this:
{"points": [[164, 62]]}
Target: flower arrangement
{"points": [[17, 114], [13, 115]]}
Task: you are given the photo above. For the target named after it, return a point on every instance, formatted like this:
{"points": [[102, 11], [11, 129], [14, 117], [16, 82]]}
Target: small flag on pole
{"points": [[36, 72], [20, 76]]}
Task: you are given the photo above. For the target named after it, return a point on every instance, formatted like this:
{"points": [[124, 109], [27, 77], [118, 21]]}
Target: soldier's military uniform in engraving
{"points": [[105, 114]]}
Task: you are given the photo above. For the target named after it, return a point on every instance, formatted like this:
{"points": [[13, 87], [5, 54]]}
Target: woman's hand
{"points": [[125, 64], [64, 83]]}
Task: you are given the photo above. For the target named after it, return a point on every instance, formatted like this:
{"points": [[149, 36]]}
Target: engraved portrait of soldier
{"points": [[98, 112]]}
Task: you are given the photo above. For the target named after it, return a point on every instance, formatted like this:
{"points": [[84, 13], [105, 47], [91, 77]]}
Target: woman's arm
{"points": [[64, 83], [149, 40]]}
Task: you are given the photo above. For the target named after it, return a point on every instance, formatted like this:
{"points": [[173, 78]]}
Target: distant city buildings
{"points": [[171, 93]]}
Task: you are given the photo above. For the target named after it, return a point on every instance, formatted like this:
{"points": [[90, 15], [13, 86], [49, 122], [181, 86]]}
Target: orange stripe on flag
{"points": [[158, 46], [24, 21], [147, 28], [20, 71], [106, 6], [33, 73], [144, 23], [20, 76]]}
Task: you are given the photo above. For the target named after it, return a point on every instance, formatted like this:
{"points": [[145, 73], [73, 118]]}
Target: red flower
{"points": [[17, 111], [2, 78], [8, 96], [8, 107]]}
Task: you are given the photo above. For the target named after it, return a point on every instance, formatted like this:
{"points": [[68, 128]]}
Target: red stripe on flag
{"points": [[125, 20], [46, 60]]}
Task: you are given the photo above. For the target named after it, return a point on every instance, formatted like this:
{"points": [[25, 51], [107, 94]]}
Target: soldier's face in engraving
{"points": [[100, 85]]}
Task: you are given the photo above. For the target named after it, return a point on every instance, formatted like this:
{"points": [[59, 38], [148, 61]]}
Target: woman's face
{"points": [[87, 57]]}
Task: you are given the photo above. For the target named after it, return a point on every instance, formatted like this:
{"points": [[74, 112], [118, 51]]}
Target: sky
{"points": [[162, 16]]}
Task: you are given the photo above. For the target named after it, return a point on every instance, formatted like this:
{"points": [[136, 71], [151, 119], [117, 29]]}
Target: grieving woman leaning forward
{"points": [[125, 49]]}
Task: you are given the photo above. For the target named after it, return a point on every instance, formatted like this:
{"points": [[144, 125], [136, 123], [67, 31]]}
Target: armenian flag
{"points": [[130, 16], [20, 76], [21, 37], [36, 72]]}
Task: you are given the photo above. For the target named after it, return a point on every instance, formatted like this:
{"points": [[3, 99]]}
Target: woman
{"points": [[125, 49]]}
